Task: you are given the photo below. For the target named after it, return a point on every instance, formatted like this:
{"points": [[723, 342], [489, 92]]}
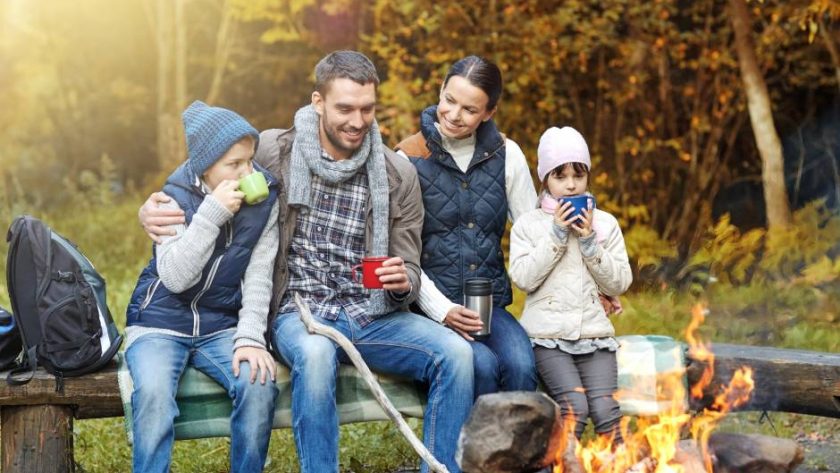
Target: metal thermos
{"points": [[478, 297]]}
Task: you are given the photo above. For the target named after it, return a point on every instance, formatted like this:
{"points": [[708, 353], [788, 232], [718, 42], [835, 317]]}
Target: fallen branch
{"points": [[320, 329]]}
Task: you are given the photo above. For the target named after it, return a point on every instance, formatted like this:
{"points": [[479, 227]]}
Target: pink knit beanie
{"points": [[559, 146]]}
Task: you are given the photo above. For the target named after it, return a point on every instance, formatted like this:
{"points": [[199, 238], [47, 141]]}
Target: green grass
{"points": [[781, 315], [101, 446], [785, 317]]}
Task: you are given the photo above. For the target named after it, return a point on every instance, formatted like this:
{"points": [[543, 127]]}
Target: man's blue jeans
{"points": [[156, 363], [504, 360], [399, 343]]}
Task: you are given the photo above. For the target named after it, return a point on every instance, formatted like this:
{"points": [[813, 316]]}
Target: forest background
{"points": [[714, 127]]}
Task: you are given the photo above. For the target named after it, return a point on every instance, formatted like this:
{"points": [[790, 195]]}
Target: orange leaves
{"points": [[601, 179], [583, 61]]}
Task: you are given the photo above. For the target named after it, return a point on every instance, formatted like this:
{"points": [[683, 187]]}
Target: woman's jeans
{"points": [[156, 363], [400, 343], [583, 385], [504, 360]]}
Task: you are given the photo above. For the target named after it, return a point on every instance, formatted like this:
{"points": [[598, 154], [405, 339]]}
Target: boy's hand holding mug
{"points": [[229, 195]]}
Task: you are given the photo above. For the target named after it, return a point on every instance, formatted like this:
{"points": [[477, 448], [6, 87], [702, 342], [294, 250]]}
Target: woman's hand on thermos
{"points": [[463, 321]]}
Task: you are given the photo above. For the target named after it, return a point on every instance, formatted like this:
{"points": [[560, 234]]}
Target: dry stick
{"points": [[317, 328]]}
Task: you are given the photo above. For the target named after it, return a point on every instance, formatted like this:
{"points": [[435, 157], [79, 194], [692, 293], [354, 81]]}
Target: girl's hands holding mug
{"points": [[229, 195], [583, 224], [562, 213]]}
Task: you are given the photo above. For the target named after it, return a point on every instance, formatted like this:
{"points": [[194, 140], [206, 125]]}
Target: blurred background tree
{"points": [[655, 88], [92, 92]]}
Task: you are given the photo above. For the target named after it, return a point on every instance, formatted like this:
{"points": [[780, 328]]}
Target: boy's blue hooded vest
{"points": [[466, 213], [213, 303]]}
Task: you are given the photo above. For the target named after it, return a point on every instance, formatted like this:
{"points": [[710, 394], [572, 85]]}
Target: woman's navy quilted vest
{"points": [[466, 213], [213, 303]]}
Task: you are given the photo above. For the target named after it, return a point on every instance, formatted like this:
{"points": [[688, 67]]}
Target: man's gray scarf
{"points": [[307, 160]]}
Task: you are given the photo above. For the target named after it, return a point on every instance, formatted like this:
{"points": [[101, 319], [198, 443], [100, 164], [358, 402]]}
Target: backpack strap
{"points": [[14, 378], [414, 146]]}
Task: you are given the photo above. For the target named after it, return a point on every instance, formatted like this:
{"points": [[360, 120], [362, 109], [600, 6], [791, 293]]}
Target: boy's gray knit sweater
{"points": [[182, 257]]}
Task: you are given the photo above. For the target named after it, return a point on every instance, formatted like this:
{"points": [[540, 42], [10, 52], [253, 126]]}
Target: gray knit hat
{"points": [[210, 132]]}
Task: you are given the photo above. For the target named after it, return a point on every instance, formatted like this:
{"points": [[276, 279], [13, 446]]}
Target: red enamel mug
{"points": [[368, 267]]}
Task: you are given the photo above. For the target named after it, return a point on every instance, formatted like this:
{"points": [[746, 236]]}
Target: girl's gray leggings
{"points": [[583, 385]]}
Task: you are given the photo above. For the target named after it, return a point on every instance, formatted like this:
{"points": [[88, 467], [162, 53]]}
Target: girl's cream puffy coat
{"points": [[562, 285]]}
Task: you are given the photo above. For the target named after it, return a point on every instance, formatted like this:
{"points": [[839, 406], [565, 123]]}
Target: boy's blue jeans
{"points": [[504, 360], [156, 363], [399, 343]]}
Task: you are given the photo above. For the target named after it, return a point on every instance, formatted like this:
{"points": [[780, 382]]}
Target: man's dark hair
{"points": [[481, 73], [351, 65]]}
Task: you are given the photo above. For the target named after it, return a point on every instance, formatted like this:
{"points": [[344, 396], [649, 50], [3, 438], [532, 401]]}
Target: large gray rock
{"points": [[510, 432], [754, 453]]}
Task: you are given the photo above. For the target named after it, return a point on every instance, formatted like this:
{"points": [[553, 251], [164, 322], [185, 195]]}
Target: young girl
{"points": [[563, 262]]}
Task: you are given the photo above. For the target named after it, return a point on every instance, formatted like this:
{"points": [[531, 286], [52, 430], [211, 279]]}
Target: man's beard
{"points": [[333, 138]]}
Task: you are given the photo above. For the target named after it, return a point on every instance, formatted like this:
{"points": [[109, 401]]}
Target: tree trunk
{"points": [[171, 42], [180, 102], [761, 117], [828, 40], [223, 46], [164, 41], [799, 381]]}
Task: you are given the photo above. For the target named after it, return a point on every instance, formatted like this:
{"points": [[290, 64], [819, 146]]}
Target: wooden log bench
{"points": [[37, 422]]}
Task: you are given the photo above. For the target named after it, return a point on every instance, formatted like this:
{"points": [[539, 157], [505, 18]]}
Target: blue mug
{"points": [[579, 202], [7, 321]]}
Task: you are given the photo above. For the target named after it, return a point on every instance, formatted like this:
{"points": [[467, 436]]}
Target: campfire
{"points": [[654, 444], [523, 431]]}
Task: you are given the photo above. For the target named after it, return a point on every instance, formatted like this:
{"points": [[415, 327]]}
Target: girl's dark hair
{"points": [[481, 73], [579, 168]]}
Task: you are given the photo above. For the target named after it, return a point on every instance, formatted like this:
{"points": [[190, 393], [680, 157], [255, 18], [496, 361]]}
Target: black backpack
{"points": [[58, 302]]}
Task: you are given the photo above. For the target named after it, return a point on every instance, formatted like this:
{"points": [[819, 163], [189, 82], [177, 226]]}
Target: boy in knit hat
{"points": [[203, 298], [563, 262]]}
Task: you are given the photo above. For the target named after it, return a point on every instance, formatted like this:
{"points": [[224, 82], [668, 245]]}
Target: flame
{"points": [[737, 393], [699, 350], [650, 444]]}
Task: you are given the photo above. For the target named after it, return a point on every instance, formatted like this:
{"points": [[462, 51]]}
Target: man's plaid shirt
{"points": [[328, 240]]}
